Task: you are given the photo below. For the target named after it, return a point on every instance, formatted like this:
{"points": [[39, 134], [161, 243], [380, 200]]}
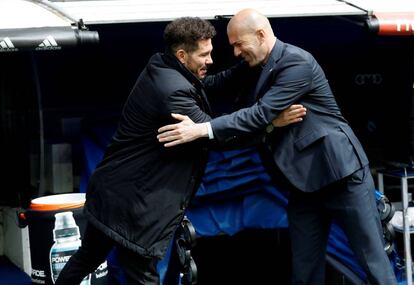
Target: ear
{"points": [[261, 35], [181, 55]]}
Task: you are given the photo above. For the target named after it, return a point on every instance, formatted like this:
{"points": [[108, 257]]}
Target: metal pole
{"points": [[406, 226]]}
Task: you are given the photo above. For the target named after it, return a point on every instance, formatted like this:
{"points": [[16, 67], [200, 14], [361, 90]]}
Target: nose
{"points": [[209, 60], [236, 51]]}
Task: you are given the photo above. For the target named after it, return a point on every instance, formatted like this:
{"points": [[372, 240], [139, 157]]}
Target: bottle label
{"points": [[58, 259]]}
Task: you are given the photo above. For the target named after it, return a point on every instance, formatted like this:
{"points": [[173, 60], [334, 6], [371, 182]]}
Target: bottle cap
{"points": [[65, 226], [64, 220]]}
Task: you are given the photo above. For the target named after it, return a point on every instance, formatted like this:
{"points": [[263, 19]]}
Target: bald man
{"points": [[320, 160]]}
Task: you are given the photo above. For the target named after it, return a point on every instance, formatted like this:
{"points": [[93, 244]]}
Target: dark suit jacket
{"points": [[140, 190], [311, 154]]}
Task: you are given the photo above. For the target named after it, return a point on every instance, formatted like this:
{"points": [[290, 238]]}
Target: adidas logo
{"points": [[48, 44], [7, 45]]}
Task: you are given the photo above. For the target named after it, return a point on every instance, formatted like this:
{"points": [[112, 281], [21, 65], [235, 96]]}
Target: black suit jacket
{"points": [[311, 154]]}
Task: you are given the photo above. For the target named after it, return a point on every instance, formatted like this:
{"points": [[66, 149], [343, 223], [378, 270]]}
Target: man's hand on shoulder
{"points": [[184, 131]]}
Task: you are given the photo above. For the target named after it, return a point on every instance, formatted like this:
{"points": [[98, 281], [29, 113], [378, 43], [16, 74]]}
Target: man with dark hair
{"points": [[139, 192], [177, 36]]}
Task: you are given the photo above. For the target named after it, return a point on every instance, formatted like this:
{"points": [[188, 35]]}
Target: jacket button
{"points": [[269, 128]]}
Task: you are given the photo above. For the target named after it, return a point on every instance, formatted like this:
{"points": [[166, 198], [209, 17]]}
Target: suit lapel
{"points": [[266, 73], [261, 83]]}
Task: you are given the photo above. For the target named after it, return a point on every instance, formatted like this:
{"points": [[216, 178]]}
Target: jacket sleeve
{"points": [[189, 103], [291, 81]]}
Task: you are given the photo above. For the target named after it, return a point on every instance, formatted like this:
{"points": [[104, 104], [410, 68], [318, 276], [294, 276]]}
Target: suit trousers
{"points": [[351, 203], [96, 246]]}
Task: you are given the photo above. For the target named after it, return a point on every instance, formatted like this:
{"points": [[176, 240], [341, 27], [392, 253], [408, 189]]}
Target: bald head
{"points": [[251, 36], [249, 21]]}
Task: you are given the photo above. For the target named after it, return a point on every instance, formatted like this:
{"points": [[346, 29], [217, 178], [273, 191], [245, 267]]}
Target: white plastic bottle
{"points": [[67, 241]]}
